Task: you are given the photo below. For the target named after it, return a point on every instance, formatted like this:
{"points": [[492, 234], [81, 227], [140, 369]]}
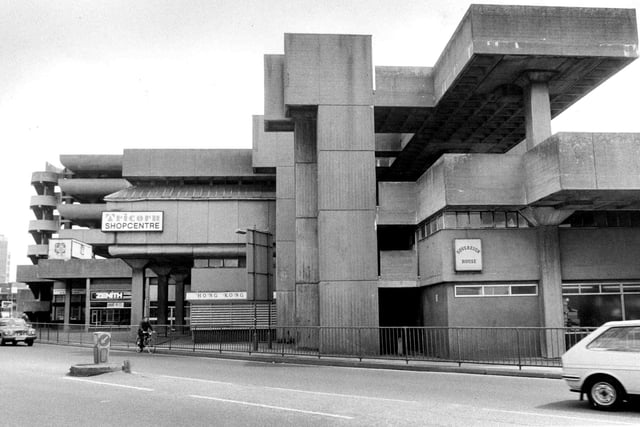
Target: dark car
{"points": [[16, 330]]}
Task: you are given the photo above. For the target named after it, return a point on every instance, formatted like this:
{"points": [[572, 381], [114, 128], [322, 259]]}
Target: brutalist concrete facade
{"points": [[380, 189]]}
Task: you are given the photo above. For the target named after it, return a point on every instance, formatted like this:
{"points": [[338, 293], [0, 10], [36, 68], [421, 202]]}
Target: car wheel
{"points": [[14, 342], [605, 394], [1, 342], [29, 342]]}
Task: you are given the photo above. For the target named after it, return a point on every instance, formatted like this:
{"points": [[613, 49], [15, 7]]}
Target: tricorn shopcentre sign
{"points": [[132, 221]]}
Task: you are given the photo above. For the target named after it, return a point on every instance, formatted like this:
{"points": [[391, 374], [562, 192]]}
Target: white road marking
{"points": [[280, 408], [111, 384], [321, 393], [567, 417]]}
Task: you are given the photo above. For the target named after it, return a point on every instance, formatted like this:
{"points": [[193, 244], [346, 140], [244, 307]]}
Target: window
{"points": [[468, 291], [618, 339], [592, 304], [470, 220], [231, 262], [497, 290], [449, 220], [487, 219], [462, 219]]}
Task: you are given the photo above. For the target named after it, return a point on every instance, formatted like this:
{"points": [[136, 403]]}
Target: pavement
{"points": [[549, 372]]}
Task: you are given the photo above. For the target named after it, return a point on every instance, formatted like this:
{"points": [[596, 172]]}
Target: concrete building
{"points": [[436, 197], [5, 260]]}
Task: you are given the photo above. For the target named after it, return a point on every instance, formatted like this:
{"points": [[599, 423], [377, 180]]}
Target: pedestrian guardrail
{"points": [[518, 346]]}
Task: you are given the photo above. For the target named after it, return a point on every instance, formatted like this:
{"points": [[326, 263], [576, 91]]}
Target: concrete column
{"points": [[163, 293], [346, 223], [334, 73], [67, 305], [550, 289], [546, 221], [87, 304], [137, 289], [306, 228], [537, 106], [179, 312]]}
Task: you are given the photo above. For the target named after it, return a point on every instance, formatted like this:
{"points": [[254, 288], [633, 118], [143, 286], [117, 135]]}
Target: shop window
{"points": [[592, 304], [500, 219], [512, 220]]}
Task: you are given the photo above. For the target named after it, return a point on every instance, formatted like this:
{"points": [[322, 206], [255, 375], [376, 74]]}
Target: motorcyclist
{"points": [[144, 329]]}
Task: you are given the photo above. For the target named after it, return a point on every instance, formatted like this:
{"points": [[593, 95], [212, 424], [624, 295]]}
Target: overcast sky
{"points": [[92, 76]]}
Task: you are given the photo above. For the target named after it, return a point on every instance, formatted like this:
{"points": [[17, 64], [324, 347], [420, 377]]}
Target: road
{"points": [[181, 390]]}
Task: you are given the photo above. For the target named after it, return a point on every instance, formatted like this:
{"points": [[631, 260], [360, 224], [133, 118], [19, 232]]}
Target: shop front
{"points": [[110, 304]]}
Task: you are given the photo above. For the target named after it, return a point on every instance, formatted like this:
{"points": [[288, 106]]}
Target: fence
{"points": [[504, 346]]}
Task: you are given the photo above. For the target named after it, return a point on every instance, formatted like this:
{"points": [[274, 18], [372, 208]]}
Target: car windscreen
{"points": [[622, 338]]}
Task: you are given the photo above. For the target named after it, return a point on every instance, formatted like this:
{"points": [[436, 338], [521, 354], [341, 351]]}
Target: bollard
{"points": [[101, 345]]}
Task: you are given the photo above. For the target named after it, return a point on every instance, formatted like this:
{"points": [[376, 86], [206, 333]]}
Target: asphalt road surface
{"points": [[35, 389]]}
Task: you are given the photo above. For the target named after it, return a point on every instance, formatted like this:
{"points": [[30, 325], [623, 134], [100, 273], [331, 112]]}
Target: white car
{"points": [[605, 365]]}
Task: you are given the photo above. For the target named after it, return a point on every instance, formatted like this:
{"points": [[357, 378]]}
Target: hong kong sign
{"points": [[132, 221], [201, 296]]}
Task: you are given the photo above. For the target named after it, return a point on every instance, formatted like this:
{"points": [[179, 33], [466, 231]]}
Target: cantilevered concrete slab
{"points": [[479, 77]]}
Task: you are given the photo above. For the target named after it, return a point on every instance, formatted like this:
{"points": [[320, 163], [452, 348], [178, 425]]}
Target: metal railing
{"points": [[518, 346]]}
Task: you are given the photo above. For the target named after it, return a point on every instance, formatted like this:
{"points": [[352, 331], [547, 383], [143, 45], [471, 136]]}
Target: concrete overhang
{"points": [[477, 81], [29, 274], [91, 190], [193, 165], [82, 268], [471, 181], [584, 171], [93, 165], [177, 254]]}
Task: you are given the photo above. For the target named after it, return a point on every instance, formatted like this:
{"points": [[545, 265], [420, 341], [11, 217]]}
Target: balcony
{"points": [[35, 252], [90, 189], [85, 215], [398, 268], [43, 225]]}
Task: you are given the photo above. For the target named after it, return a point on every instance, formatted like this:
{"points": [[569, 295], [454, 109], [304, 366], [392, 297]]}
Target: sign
{"points": [[59, 291], [7, 304], [201, 296], [132, 221], [69, 248], [111, 295], [115, 305], [468, 254]]}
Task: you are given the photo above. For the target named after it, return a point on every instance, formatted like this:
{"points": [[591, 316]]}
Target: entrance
{"points": [[111, 316], [400, 313]]}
